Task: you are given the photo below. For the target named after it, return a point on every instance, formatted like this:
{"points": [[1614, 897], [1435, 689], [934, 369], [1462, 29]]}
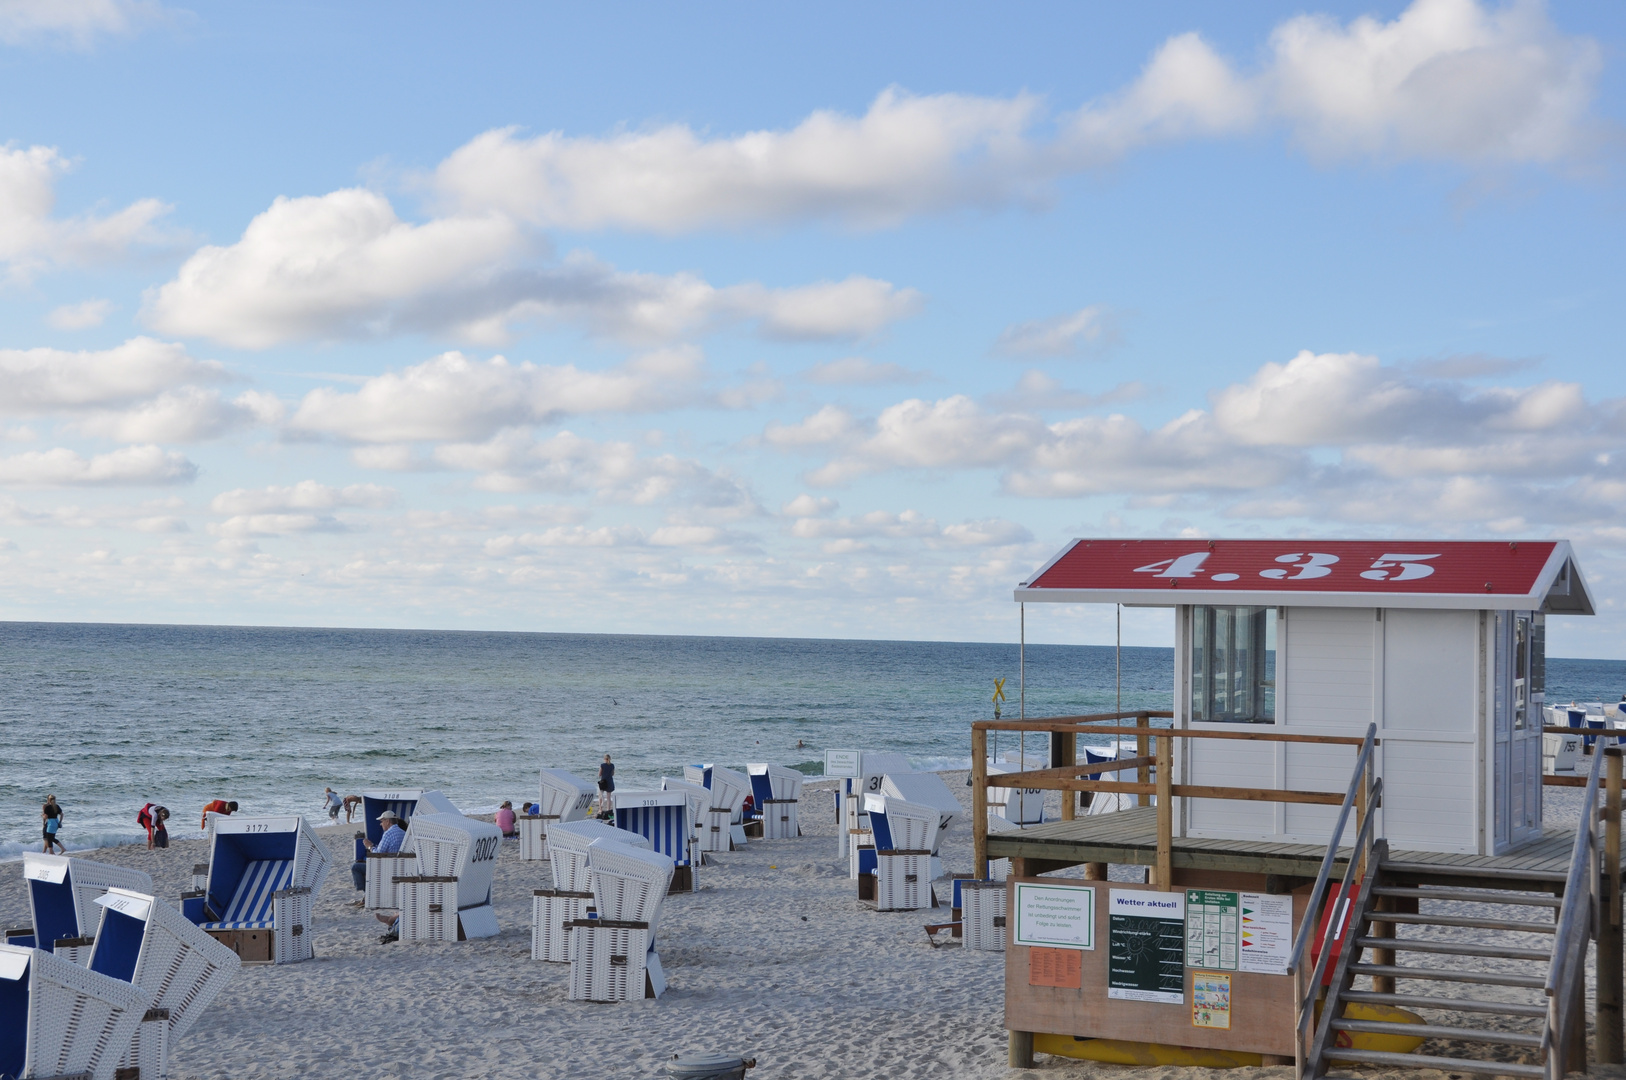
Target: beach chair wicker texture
{"points": [[982, 915], [660, 816], [774, 782], [149, 1050], [551, 913], [567, 844], [699, 800], [629, 884], [903, 881], [178, 966], [728, 788], [901, 825], [451, 845], [60, 1019], [383, 870], [62, 892], [926, 789], [566, 796], [608, 960], [428, 909], [533, 837]]}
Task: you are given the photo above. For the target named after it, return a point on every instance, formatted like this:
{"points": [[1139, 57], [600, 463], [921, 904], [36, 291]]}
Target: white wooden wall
{"points": [[1413, 673]]}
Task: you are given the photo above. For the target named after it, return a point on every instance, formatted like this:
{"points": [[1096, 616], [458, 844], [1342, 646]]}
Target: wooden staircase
{"points": [[1407, 932]]}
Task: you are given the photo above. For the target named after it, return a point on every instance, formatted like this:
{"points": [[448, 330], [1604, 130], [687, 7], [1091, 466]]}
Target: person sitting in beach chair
{"points": [[394, 836]]}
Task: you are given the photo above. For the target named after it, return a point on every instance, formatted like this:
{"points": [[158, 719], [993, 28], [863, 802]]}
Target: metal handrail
{"points": [[1574, 926], [1307, 930]]}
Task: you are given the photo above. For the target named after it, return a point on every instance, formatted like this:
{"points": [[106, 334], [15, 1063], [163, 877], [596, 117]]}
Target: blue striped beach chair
{"points": [[662, 818], [60, 1019], [62, 892], [263, 873], [404, 802]]}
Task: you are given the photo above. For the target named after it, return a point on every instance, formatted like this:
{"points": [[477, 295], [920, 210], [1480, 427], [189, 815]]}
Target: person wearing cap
{"points": [[392, 839]]}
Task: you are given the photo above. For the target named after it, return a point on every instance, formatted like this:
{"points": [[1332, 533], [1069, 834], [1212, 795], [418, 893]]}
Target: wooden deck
{"points": [[1130, 836]]}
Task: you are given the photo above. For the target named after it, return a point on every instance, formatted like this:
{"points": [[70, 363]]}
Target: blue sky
{"points": [[818, 322]]}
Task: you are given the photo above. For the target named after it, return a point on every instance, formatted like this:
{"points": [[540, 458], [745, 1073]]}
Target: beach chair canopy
{"points": [[728, 788], [1025, 806], [251, 859], [699, 798], [451, 845], [927, 789], [146, 942], [60, 1019], [566, 795], [900, 825], [568, 842], [405, 802], [628, 883], [698, 774], [774, 782], [662, 817], [62, 892]]}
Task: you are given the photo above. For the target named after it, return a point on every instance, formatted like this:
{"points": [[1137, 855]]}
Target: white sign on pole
{"points": [[844, 763], [1055, 916]]}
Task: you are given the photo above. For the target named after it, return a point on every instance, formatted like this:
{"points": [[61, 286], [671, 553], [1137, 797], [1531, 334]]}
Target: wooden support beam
{"points": [[1032, 777], [1020, 1053], [1178, 733], [1143, 724], [1609, 1033], [979, 804], [1165, 813]]}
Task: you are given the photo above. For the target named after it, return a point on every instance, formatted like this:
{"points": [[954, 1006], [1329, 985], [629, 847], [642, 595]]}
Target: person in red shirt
{"points": [[219, 806]]}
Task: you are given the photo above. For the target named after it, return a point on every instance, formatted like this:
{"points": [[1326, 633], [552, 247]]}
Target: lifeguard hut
{"points": [[1336, 703]]}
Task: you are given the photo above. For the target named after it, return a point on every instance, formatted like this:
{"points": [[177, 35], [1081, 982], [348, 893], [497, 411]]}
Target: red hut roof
{"points": [[1462, 574]]}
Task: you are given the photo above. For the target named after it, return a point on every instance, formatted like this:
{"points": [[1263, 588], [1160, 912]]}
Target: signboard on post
{"points": [[847, 764], [1146, 947], [1054, 916]]}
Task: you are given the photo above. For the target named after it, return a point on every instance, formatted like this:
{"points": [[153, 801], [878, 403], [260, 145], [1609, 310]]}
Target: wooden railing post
{"points": [[1068, 756], [1165, 812], [979, 803], [1143, 748], [1609, 1032]]}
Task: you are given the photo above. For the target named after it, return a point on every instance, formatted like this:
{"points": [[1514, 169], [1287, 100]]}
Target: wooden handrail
{"points": [[1186, 733]]}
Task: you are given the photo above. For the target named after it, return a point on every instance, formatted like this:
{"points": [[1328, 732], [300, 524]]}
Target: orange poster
{"points": [[1062, 968]]}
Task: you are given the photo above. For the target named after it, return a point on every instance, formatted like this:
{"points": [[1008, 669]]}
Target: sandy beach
{"points": [[773, 957]]}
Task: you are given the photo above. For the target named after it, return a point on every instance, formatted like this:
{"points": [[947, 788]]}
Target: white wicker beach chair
{"points": [[728, 791], [552, 912], [62, 892], [777, 791], [709, 828], [429, 909], [173, 961], [568, 845], [565, 796], [1024, 806], [263, 872], [903, 881], [454, 846], [900, 825], [612, 961], [384, 869], [58, 1019], [629, 884], [982, 915], [533, 837], [662, 817], [926, 789], [148, 1055]]}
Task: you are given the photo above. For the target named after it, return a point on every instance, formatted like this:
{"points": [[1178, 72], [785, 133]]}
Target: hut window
{"points": [[1233, 665]]}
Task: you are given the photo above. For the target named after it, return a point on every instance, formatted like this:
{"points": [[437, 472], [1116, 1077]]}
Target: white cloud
{"points": [[250, 526], [1446, 79], [130, 465], [851, 534], [79, 22], [452, 397], [1040, 392], [80, 316], [36, 382], [189, 414], [808, 506], [859, 371], [343, 265], [31, 239], [305, 495], [1063, 335]]}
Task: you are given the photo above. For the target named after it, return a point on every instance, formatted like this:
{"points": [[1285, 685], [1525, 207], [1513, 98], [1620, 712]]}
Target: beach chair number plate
{"points": [[485, 849]]}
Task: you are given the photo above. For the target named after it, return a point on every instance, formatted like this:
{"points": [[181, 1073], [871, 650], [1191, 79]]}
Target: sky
{"points": [[828, 320]]}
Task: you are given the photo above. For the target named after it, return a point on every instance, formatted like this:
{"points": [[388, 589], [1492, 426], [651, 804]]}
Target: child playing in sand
{"points": [[505, 819], [334, 804]]}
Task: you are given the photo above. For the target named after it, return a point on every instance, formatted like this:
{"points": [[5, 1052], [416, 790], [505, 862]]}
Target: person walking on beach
{"points": [[334, 804], [51, 820], [352, 803], [153, 817], [219, 806], [606, 784], [505, 819]]}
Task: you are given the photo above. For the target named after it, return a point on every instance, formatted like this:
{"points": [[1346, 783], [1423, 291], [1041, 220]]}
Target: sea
{"points": [[109, 717]]}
